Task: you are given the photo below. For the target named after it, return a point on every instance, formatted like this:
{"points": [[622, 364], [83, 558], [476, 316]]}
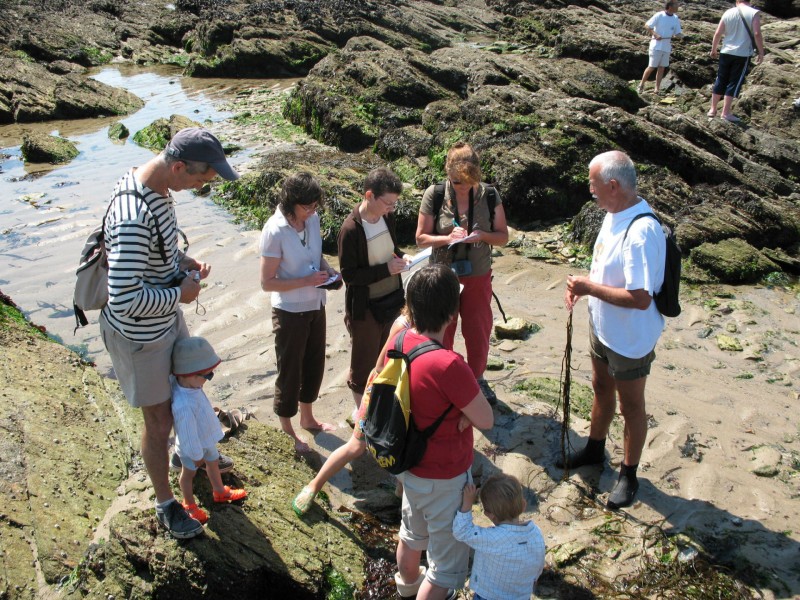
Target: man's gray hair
{"points": [[618, 166], [193, 167]]}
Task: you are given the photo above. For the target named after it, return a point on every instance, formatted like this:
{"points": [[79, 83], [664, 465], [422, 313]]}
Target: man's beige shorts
{"points": [[143, 369]]}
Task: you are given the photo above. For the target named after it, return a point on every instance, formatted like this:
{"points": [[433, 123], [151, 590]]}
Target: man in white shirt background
{"points": [[663, 26]]}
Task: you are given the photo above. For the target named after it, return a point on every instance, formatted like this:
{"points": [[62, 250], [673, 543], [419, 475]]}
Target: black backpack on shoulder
{"points": [[667, 300]]}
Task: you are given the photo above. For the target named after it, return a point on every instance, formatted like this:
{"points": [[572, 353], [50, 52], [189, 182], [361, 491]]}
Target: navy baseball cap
{"points": [[198, 144]]}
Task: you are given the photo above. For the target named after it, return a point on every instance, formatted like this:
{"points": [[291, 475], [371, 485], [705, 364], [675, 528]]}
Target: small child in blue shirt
{"points": [[509, 557], [197, 428]]}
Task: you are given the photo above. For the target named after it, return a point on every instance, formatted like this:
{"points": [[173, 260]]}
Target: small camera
{"points": [[183, 275]]}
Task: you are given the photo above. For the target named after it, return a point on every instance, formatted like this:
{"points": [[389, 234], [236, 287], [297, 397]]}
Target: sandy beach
{"points": [[722, 458]]}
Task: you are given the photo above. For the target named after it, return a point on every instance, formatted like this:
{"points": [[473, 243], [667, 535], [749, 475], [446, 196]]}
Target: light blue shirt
{"points": [[280, 240]]}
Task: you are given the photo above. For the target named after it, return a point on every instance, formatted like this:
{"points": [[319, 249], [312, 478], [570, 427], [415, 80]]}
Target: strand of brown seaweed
{"points": [[566, 380]]}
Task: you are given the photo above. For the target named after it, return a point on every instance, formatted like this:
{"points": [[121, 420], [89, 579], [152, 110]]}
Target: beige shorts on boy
{"points": [[439, 500], [143, 369], [658, 58]]}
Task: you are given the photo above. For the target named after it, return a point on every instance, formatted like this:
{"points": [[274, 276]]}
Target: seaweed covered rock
{"points": [[118, 131], [69, 441], [254, 546], [29, 92], [156, 135], [43, 148], [70, 464], [733, 260], [253, 197]]}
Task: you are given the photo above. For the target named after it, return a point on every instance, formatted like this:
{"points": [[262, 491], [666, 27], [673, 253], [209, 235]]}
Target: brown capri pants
{"points": [[300, 354], [367, 337]]}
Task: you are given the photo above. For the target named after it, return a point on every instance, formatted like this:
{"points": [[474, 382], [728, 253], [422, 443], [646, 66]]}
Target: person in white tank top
{"points": [[741, 28]]}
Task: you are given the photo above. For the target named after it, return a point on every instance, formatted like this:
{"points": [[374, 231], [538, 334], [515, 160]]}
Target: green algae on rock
{"points": [[261, 540], [43, 148], [733, 260], [69, 442], [156, 135], [118, 131]]}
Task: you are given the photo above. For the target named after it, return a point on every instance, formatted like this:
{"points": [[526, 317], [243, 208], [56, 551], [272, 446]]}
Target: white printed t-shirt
{"points": [[667, 26], [637, 264]]}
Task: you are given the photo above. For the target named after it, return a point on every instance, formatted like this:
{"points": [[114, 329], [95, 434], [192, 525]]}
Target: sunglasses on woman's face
{"points": [[208, 376]]}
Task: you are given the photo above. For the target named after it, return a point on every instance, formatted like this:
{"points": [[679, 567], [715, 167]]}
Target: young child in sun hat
{"points": [[197, 428]]}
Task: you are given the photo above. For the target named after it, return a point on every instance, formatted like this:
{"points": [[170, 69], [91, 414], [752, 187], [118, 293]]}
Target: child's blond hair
{"points": [[501, 495]]}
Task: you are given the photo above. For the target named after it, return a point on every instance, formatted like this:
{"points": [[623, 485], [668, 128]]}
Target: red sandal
{"points": [[230, 495], [195, 512]]}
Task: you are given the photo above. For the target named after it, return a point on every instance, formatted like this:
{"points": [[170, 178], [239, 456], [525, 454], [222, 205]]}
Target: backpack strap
{"points": [[491, 202], [415, 352], [636, 218], [161, 246], [438, 201]]}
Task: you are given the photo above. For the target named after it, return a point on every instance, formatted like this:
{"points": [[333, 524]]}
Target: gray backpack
{"points": [[91, 284]]}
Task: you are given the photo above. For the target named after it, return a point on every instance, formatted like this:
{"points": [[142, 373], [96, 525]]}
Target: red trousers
{"points": [[475, 310]]}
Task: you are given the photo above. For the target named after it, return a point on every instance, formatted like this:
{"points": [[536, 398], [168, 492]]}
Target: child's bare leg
{"points": [[214, 476], [186, 480]]}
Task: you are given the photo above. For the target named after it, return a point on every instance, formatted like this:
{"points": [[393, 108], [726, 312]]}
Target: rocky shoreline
{"points": [[721, 464], [538, 88]]}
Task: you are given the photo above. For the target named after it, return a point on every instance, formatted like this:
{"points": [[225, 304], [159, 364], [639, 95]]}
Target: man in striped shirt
{"points": [[148, 279]]}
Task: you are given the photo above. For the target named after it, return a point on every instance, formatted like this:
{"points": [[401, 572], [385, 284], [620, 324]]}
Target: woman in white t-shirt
{"points": [[292, 266]]}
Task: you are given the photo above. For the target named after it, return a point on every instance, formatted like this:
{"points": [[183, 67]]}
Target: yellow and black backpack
{"points": [[389, 430]]}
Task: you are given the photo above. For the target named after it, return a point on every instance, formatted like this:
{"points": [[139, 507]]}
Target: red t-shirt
{"points": [[439, 379]]}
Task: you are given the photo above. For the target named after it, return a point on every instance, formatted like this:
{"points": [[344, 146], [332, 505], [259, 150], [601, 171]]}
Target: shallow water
{"points": [[47, 211]]}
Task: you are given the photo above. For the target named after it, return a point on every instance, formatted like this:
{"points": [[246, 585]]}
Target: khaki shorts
{"points": [[620, 367], [143, 369], [658, 58], [429, 507]]}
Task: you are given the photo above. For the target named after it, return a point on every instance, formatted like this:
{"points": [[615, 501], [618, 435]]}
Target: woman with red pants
{"points": [[461, 220]]}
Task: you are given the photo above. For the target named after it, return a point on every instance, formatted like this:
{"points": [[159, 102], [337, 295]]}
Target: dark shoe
{"points": [[592, 454], [225, 463], [487, 391], [180, 525], [624, 493]]}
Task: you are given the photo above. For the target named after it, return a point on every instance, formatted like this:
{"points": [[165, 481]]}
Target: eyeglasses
{"points": [[310, 208], [208, 376], [388, 200]]}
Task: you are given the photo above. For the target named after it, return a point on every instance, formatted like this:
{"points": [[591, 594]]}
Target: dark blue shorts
{"points": [[730, 74]]}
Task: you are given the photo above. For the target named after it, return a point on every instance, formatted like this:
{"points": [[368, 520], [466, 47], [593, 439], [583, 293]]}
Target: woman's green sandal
{"points": [[303, 501]]}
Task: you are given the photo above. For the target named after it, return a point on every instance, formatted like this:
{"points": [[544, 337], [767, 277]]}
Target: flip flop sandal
{"points": [[303, 501]]}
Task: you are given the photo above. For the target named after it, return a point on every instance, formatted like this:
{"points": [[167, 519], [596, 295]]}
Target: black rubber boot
{"points": [[594, 453], [624, 493]]}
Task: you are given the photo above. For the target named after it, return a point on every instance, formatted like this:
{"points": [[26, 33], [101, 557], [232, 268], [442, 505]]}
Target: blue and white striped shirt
{"points": [[141, 304]]}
